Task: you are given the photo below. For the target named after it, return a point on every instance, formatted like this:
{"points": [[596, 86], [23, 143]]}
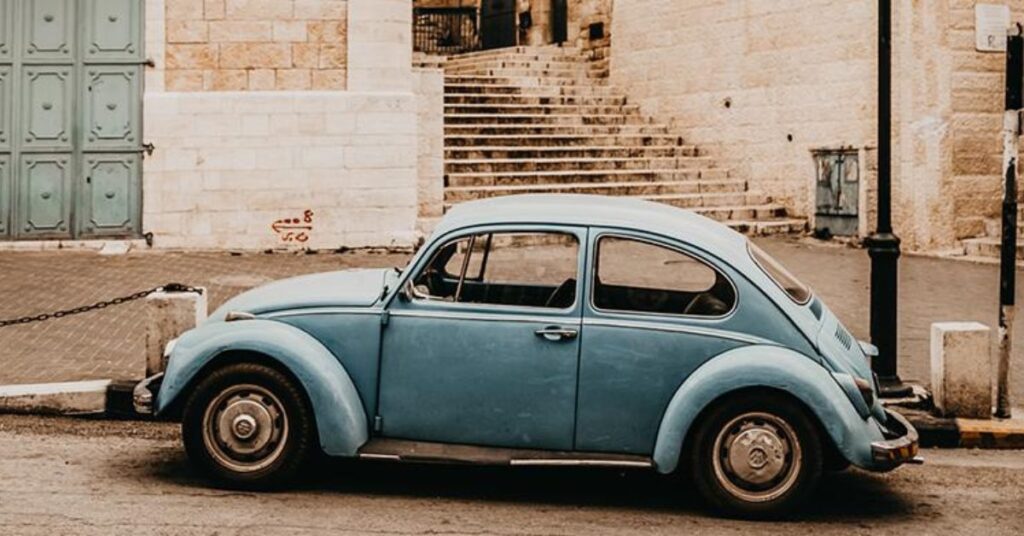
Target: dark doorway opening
{"points": [[559, 21], [498, 23]]}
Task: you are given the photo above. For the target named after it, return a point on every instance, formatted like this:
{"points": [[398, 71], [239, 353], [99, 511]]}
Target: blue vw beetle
{"points": [[541, 330]]}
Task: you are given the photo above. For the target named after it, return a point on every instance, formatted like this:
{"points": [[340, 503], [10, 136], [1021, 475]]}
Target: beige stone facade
{"points": [[766, 83], [256, 45], [287, 124]]}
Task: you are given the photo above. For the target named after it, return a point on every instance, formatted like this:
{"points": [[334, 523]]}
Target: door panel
{"points": [[478, 379], [112, 108], [46, 107], [6, 30], [112, 30], [49, 29], [6, 108], [110, 203], [5, 195], [45, 206]]}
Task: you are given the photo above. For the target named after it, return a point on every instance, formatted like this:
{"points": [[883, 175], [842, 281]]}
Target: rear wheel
{"points": [[248, 426], [756, 455]]}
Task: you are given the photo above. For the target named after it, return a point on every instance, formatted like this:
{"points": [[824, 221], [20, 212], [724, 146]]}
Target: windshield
{"points": [[787, 281]]}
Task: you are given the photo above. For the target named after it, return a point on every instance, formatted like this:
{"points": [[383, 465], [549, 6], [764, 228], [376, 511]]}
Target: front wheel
{"points": [[248, 426], [757, 455]]}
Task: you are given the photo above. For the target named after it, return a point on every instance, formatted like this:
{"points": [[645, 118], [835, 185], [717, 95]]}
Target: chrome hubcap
{"points": [[757, 457], [244, 428]]}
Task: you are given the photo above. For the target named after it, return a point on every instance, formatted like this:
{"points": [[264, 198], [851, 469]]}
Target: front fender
{"points": [[340, 418], [770, 367]]}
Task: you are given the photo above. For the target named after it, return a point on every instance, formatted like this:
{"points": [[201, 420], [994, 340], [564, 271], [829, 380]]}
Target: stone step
{"points": [[529, 153], [696, 180], [541, 109], [989, 246], [549, 119], [533, 90], [517, 129], [682, 193], [514, 53], [517, 80], [768, 226], [561, 140], [574, 164], [526, 72], [459, 99], [564, 177], [498, 65]]}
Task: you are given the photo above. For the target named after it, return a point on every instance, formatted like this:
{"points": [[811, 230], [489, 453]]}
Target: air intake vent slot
{"points": [[844, 337]]}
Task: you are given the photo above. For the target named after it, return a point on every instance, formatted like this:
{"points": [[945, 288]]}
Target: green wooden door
{"points": [[70, 118]]}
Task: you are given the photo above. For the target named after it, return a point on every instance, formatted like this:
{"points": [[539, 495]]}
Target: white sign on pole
{"points": [[990, 24]]}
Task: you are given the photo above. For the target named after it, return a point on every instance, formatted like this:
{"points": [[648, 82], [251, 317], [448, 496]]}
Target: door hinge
{"points": [[385, 317], [378, 424], [149, 148]]}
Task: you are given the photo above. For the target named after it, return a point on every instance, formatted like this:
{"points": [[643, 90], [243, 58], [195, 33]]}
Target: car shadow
{"points": [[851, 494]]}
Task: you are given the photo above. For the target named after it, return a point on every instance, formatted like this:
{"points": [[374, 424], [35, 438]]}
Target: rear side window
{"points": [[638, 276], [798, 291]]}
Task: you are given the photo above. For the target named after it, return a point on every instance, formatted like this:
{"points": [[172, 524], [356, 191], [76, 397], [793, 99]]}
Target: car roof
{"points": [[600, 211]]}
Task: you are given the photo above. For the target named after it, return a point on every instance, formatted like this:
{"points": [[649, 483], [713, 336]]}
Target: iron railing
{"points": [[445, 31]]}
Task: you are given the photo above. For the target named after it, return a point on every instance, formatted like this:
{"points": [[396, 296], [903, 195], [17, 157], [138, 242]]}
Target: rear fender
{"points": [[340, 417], [773, 367]]}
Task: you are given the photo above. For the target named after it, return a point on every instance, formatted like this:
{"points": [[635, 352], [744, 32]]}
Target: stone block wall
{"points": [[255, 45], [430, 146], [762, 83], [253, 170]]}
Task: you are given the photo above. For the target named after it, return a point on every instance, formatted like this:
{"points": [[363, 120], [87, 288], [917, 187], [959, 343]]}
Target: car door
{"points": [[482, 345], [656, 310]]}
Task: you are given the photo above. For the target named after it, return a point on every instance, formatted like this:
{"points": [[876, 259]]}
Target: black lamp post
{"points": [[884, 246]]}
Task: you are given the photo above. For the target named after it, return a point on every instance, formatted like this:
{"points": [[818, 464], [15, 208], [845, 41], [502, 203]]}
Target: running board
{"points": [[427, 452]]}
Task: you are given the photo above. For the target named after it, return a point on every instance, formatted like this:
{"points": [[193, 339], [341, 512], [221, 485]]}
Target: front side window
{"points": [[638, 276], [536, 269], [775, 270]]}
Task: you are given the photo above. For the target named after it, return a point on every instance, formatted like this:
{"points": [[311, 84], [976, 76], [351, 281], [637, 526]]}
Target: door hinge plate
{"points": [[385, 317], [378, 424]]}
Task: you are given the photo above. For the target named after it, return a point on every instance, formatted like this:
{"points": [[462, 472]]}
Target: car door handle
{"points": [[555, 333]]}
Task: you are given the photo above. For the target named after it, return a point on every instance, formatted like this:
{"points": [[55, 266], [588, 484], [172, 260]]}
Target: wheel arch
{"points": [[769, 369], [337, 409]]}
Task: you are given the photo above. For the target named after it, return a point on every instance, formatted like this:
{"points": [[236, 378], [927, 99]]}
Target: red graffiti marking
{"points": [[294, 229]]}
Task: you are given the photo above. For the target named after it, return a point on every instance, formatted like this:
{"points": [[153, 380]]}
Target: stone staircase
{"points": [[531, 120], [989, 246]]}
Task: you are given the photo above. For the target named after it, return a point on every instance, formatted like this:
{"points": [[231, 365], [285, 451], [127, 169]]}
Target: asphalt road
{"points": [[64, 476]]}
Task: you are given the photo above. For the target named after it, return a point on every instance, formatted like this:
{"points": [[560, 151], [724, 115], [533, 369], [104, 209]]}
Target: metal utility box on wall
{"points": [[70, 118], [837, 191]]}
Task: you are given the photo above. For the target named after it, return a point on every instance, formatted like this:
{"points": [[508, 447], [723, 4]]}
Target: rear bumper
{"points": [[900, 445], [144, 394]]}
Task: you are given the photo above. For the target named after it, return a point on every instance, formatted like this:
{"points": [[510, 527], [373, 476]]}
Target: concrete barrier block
{"points": [[169, 315], [962, 369], [71, 398]]}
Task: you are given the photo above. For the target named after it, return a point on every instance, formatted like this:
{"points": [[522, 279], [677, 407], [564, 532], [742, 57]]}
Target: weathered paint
{"points": [[340, 417], [771, 367]]}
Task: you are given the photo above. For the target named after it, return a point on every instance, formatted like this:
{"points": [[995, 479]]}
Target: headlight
{"points": [[170, 347], [867, 391]]}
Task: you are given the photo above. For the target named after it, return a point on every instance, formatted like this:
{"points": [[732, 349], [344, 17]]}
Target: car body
{"points": [[548, 330]]}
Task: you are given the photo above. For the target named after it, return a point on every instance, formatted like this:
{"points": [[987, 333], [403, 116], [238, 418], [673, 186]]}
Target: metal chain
{"points": [[170, 287]]}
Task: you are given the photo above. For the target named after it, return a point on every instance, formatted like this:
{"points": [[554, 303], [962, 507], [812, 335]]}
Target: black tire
{"points": [[738, 432], [272, 403]]}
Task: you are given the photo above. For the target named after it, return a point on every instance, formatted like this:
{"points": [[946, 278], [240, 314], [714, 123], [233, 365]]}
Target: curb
{"points": [[68, 398], [946, 432]]}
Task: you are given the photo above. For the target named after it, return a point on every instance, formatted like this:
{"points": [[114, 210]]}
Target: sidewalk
{"points": [[109, 343]]}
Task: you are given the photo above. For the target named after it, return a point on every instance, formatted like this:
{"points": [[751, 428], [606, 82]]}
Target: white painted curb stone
{"points": [[68, 398]]}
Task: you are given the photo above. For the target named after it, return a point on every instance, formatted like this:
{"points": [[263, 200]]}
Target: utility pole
{"points": [[1008, 250], [884, 246]]}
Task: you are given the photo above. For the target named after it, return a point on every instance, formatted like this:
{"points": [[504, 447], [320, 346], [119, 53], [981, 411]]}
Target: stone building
{"points": [[312, 123], [213, 123]]}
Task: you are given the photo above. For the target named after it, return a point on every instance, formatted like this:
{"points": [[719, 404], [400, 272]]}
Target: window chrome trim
{"points": [[579, 234], [676, 328], [496, 317], [810, 293], [595, 265]]}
